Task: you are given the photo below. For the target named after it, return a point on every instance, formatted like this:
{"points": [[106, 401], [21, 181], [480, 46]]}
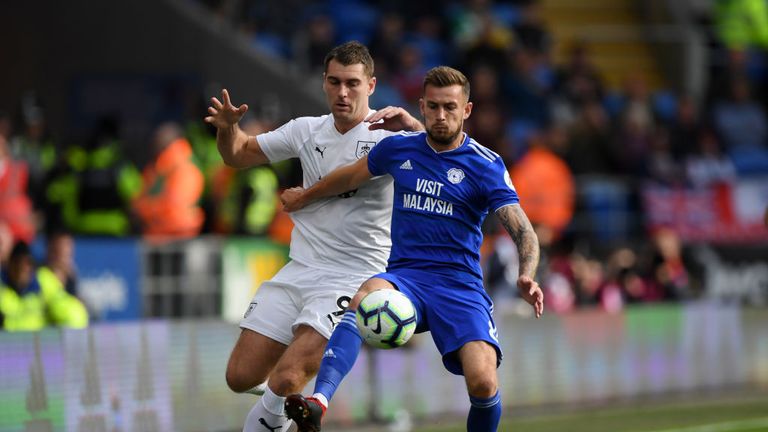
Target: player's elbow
{"points": [[233, 160], [228, 160]]}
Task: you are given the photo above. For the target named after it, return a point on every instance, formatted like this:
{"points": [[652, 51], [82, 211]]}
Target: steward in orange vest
{"points": [[168, 205], [15, 204]]}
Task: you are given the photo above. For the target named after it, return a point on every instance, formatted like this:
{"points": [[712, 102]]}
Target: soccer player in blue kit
{"points": [[445, 184]]}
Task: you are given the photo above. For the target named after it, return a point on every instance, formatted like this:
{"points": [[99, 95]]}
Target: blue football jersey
{"points": [[440, 202]]}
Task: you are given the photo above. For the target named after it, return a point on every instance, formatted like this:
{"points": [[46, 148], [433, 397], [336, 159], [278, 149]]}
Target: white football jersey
{"points": [[345, 234]]}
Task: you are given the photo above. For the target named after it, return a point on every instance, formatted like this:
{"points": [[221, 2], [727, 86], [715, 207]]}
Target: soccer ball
{"points": [[386, 318]]}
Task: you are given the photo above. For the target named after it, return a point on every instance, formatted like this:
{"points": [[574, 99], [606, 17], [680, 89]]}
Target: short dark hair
{"points": [[445, 76], [351, 53], [20, 250]]}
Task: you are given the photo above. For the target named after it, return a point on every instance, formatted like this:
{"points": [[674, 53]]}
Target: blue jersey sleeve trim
{"points": [[516, 202]]}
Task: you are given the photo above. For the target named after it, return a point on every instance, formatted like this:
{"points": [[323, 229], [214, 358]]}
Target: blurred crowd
{"points": [[580, 151], [574, 144]]}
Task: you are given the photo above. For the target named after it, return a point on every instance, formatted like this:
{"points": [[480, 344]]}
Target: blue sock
{"points": [[340, 355], [485, 414]]}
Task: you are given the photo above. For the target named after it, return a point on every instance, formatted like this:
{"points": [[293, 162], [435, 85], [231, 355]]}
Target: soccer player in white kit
{"points": [[336, 244]]}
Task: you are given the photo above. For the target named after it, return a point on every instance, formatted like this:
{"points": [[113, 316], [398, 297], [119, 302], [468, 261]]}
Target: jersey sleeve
{"points": [[499, 188], [379, 157], [281, 143]]}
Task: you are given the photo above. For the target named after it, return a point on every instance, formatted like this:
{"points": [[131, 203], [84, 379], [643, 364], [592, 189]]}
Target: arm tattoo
{"points": [[518, 226]]}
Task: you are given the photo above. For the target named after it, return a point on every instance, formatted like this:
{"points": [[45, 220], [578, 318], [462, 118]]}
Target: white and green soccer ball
{"points": [[386, 318]]}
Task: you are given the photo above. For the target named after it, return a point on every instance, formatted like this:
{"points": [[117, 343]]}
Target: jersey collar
{"points": [[463, 141]]}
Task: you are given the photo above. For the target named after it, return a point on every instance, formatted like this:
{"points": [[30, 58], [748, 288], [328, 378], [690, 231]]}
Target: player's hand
{"points": [[531, 292], [393, 119], [292, 199], [222, 113]]}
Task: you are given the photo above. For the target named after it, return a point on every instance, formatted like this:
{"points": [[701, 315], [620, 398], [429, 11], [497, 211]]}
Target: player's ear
{"points": [[467, 110], [421, 107], [371, 85]]}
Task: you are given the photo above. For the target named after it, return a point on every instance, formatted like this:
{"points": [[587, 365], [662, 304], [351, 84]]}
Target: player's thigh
{"points": [[252, 359], [300, 361], [277, 304], [478, 360], [324, 297]]}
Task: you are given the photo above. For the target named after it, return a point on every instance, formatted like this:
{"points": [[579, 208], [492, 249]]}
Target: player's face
{"points": [[444, 110], [347, 89]]}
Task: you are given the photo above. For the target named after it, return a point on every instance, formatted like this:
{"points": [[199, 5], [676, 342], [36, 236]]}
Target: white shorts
{"points": [[297, 295]]}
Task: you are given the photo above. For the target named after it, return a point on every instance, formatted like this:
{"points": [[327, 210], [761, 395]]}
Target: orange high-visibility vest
{"points": [[173, 185], [15, 204]]}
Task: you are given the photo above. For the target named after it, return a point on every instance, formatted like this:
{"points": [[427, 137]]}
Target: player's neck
{"points": [[344, 126], [440, 147]]}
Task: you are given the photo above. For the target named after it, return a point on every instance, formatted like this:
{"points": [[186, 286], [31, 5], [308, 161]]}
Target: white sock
{"points": [[258, 390], [268, 415], [321, 397]]}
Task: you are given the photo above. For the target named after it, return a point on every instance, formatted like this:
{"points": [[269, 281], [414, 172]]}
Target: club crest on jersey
{"points": [[363, 148], [455, 175]]}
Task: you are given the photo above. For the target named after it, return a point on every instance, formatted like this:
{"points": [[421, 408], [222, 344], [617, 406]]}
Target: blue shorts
{"points": [[454, 313]]}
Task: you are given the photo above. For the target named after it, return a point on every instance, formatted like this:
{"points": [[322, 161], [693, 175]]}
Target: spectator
{"points": [[59, 260], [623, 277], [94, 190], [313, 41], [528, 88], [636, 125], [684, 128], [15, 204], [531, 31], [387, 42], [482, 40], [742, 24], [6, 126], [408, 77], [6, 244], [58, 282], [245, 200], [21, 302], [578, 81], [576, 84], [426, 36], [589, 149], [34, 146], [708, 165], [671, 275], [30, 301], [546, 187], [488, 125], [743, 126], [589, 284], [386, 93], [662, 166], [168, 203]]}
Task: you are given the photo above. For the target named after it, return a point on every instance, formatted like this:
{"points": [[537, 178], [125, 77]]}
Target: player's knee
{"points": [[240, 380], [235, 381], [285, 382], [482, 387], [366, 288]]}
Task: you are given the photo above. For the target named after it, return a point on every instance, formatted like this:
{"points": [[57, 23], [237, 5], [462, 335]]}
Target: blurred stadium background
{"points": [[635, 131]]}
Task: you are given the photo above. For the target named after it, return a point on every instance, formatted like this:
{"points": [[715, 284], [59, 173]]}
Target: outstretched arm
{"points": [[237, 149], [393, 119], [340, 180], [518, 226]]}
